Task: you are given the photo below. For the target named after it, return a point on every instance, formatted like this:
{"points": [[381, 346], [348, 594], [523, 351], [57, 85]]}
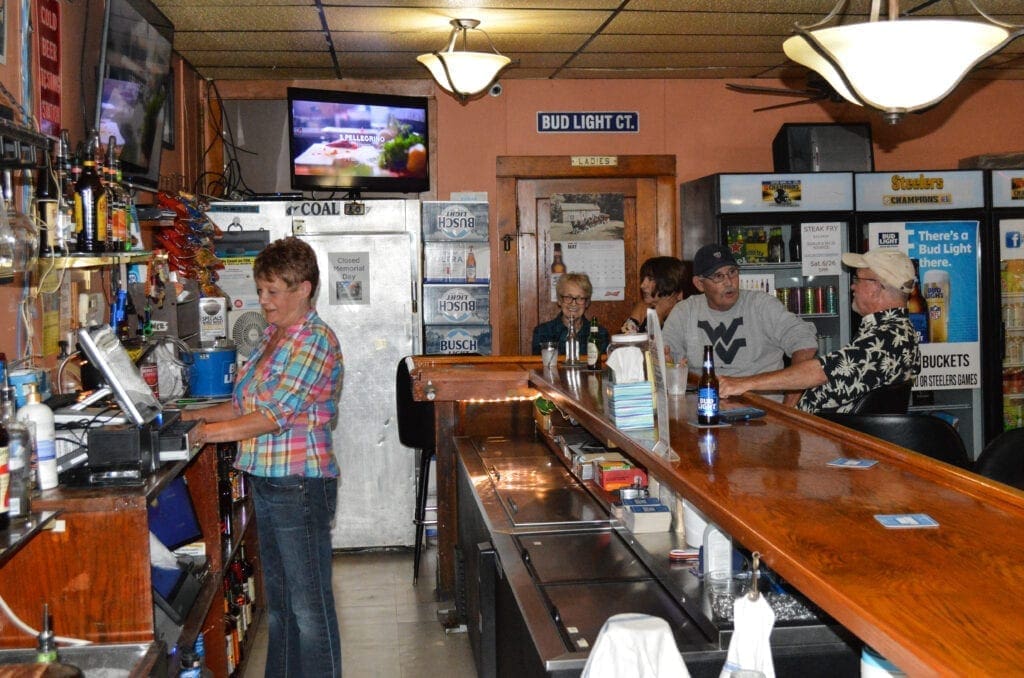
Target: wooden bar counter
{"points": [[935, 601]]}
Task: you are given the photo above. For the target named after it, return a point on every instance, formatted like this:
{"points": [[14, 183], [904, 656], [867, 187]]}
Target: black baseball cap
{"points": [[710, 258]]}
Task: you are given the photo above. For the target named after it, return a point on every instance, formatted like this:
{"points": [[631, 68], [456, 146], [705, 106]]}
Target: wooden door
{"points": [[521, 266]]}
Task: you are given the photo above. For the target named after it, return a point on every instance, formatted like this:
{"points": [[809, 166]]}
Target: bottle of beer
{"points": [[557, 265], [48, 209], [90, 210], [470, 266], [917, 308], [775, 245], [707, 390], [593, 346]]}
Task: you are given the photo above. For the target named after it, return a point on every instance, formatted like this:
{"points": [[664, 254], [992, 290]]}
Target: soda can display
{"points": [[831, 299], [808, 298], [819, 299], [782, 293]]}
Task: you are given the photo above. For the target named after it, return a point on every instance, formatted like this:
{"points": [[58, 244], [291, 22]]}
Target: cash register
{"points": [[125, 453]]}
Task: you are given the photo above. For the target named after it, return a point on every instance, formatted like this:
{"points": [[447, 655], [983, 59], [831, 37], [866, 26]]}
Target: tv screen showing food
{"points": [[345, 141]]}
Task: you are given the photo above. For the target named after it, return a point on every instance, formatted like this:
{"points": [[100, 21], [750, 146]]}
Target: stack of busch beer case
{"points": [[456, 278]]}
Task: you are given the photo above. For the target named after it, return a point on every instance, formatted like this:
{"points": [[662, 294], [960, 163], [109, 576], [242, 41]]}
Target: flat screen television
{"points": [[133, 85], [355, 142]]}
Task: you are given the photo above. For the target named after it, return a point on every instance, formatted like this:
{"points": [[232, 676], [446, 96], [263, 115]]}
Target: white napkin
{"points": [[627, 364], [749, 647], [635, 646]]}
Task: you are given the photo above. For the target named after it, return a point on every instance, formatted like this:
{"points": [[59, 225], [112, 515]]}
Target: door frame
{"points": [[513, 258]]}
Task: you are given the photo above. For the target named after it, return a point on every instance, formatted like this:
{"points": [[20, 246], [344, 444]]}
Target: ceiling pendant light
{"points": [[465, 74], [899, 65]]}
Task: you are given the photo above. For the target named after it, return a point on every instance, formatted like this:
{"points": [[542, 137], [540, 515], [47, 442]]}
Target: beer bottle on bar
{"points": [[593, 346], [707, 390]]}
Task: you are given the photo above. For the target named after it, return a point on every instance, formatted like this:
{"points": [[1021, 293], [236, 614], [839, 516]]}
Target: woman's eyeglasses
{"points": [[569, 299]]}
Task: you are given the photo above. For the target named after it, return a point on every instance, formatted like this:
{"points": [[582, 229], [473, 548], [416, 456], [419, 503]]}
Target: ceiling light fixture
{"points": [[465, 74], [900, 65]]}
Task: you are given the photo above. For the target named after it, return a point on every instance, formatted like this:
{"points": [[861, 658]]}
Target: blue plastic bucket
{"points": [[213, 370]]}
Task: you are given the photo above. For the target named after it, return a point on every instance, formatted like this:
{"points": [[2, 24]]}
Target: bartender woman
{"points": [[281, 413]]}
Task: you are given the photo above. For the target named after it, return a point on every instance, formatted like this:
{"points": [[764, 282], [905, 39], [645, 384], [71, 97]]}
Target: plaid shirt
{"points": [[298, 387]]}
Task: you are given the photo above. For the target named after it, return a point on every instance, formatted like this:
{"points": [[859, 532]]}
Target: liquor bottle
{"points": [[48, 209], [470, 266], [20, 454], [117, 210], [775, 245], [557, 265], [90, 210], [593, 346], [707, 390], [917, 308], [572, 344]]}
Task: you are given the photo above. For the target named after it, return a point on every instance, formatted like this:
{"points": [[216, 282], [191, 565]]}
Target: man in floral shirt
{"points": [[884, 351]]}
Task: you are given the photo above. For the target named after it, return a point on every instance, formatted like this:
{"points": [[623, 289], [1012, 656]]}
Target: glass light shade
{"points": [[898, 66], [471, 72]]}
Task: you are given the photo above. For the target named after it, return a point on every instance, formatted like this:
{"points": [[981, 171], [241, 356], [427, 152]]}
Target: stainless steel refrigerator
{"points": [[370, 296]]}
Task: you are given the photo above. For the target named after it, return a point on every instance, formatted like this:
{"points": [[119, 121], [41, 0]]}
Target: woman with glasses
{"points": [[573, 290], [751, 331], [661, 287]]}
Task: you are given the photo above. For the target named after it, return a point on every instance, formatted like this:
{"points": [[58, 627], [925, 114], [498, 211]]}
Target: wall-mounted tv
{"points": [[354, 142], [133, 84]]}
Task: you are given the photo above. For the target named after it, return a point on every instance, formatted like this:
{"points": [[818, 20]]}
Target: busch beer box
{"points": [[456, 304], [458, 339], [456, 262], [450, 221]]}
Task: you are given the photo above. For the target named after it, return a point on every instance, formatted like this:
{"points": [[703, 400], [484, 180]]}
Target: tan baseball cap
{"points": [[892, 266]]}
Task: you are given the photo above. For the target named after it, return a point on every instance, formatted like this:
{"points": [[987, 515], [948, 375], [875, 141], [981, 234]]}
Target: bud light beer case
{"points": [[456, 304], [458, 339], [448, 221]]}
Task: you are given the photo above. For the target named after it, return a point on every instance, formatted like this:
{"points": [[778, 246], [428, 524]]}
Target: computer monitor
{"points": [[105, 351]]}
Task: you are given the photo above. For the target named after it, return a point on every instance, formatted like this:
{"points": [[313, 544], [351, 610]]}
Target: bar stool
{"points": [[1003, 459], [416, 430], [922, 433], [891, 399]]}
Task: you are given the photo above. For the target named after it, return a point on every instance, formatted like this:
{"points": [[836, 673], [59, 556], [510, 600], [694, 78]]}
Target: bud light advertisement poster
{"points": [[947, 257]]}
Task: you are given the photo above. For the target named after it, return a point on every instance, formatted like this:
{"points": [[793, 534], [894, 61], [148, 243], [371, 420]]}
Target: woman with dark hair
{"points": [[662, 280], [281, 413]]}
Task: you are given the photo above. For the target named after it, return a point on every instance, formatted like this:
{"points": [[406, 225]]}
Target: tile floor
{"points": [[389, 627]]}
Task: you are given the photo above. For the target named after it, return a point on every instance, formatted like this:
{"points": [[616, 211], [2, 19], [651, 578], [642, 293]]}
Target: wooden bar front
{"points": [[934, 601]]}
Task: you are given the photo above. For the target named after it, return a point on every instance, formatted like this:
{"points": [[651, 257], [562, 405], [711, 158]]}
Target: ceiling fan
{"points": [[817, 89]]}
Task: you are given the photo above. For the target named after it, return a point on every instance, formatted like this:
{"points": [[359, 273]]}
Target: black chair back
{"points": [[1003, 459], [922, 433], [891, 399], [415, 418]]}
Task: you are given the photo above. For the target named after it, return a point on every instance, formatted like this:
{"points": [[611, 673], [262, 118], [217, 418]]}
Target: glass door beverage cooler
{"points": [[937, 218], [788, 232], [1006, 256]]}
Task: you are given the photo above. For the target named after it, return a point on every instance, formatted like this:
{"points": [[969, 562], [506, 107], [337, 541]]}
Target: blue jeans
{"points": [[293, 519]]}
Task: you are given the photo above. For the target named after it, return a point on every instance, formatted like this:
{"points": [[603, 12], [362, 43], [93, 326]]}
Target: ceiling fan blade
{"points": [[756, 89], [809, 100]]}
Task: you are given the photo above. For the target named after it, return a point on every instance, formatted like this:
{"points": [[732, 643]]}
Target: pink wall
{"points": [[708, 128]]}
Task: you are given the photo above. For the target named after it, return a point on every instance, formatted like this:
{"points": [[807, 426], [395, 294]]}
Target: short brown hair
{"points": [[668, 274], [291, 260]]}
